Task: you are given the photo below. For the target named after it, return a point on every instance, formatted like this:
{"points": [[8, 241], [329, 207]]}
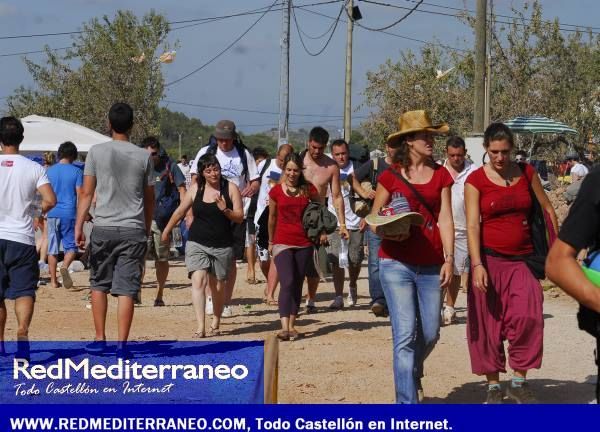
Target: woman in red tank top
{"points": [[505, 299]]}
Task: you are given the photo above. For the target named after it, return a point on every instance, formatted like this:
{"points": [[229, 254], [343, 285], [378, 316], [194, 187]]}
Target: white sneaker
{"points": [[449, 315], [227, 312], [209, 306], [337, 304], [351, 298]]}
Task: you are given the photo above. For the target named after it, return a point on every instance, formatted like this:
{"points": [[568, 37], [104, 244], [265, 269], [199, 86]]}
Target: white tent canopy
{"points": [[47, 134]]}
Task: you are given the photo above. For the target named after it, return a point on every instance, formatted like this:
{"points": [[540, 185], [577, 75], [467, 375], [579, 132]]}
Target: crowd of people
{"points": [[428, 229]]}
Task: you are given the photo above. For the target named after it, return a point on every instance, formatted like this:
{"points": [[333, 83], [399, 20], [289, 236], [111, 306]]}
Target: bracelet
{"points": [[342, 225], [478, 264]]}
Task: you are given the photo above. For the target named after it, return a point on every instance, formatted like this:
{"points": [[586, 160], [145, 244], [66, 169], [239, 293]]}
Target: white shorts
{"points": [[461, 253]]}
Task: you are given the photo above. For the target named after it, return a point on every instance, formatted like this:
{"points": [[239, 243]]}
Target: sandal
{"points": [[212, 331], [283, 335], [159, 303], [272, 302], [294, 335], [199, 335]]}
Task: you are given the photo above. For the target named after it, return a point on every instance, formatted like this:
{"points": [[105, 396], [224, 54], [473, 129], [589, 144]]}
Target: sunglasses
{"points": [[154, 154]]}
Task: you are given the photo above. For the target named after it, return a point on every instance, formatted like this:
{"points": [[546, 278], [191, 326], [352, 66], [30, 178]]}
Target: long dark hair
{"points": [[297, 160], [402, 152], [206, 161]]}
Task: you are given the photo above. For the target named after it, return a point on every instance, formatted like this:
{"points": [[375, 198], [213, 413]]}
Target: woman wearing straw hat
{"points": [[417, 261]]}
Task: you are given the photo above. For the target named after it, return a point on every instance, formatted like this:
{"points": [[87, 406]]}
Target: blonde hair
{"points": [[49, 158]]}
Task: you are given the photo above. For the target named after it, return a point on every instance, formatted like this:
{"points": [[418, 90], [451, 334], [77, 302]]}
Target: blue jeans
{"points": [[414, 299], [375, 290]]}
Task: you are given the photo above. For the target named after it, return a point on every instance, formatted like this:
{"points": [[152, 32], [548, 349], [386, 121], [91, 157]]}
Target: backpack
{"points": [[239, 146], [168, 202], [254, 200]]}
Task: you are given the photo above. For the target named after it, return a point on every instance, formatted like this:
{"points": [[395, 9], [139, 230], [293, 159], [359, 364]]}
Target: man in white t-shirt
{"points": [[269, 179], [20, 179], [239, 167], [459, 168], [578, 170], [340, 153]]}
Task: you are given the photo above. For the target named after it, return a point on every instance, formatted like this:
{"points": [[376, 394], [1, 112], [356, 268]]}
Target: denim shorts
{"points": [[61, 230]]}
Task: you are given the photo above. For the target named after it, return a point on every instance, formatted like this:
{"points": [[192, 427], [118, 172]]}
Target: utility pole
{"points": [[179, 134], [284, 78], [480, 60], [348, 88], [488, 70]]}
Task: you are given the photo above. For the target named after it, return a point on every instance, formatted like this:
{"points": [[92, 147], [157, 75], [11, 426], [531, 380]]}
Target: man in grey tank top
{"points": [[120, 174]]}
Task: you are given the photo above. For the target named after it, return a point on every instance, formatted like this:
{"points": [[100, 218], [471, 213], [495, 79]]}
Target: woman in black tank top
{"points": [[216, 205]]}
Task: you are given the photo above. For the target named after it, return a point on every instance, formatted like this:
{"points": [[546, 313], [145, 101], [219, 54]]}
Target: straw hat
{"points": [[415, 121], [396, 218]]}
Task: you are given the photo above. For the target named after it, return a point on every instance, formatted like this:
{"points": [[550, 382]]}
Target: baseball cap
{"points": [[225, 129]]}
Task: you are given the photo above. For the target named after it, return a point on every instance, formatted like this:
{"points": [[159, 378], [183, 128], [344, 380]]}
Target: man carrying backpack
{"points": [[169, 189], [580, 231], [237, 166]]}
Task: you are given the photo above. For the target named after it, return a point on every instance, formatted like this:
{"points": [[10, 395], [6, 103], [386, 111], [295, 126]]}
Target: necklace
{"points": [[292, 191]]}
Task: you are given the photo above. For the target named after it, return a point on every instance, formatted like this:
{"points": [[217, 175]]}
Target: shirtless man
{"points": [[322, 172]]}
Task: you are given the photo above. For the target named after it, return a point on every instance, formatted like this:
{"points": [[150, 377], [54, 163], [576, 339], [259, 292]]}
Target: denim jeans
{"points": [[414, 299], [375, 290]]}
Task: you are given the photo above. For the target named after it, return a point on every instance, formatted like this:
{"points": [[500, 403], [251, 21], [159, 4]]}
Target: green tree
{"points": [[536, 69], [109, 61]]}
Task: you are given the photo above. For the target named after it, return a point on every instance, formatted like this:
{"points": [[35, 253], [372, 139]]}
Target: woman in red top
{"points": [[289, 245], [505, 301], [414, 268]]}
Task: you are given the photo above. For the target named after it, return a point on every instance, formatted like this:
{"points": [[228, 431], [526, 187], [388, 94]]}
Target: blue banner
{"points": [[151, 372], [256, 418]]}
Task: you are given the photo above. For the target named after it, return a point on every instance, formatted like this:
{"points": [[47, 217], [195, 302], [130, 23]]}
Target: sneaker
{"points": [[66, 278], [209, 306], [449, 315], [420, 392], [521, 394], [351, 298], [227, 312], [310, 306], [337, 304], [494, 396]]}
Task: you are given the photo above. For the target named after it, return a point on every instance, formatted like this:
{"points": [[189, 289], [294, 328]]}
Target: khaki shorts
{"points": [[157, 250], [216, 261]]}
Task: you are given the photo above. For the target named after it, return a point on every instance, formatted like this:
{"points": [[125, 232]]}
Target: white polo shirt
{"points": [[458, 195]]}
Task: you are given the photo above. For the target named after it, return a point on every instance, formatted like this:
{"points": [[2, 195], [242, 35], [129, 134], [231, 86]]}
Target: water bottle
{"points": [[176, 241], [343, 259]]}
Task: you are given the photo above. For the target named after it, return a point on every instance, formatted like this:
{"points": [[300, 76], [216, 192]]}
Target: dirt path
{"points": [[346, 356]]}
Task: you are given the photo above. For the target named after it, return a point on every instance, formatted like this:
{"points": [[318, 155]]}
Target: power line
{"points": [[503, 16], [195, 20], [226, 108], [392, 24], [223, 51], [460, 16], [314, 54], [390, 33], [33, 52]]}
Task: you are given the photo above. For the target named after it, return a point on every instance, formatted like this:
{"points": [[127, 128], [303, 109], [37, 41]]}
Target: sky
{"points": [[247, 76]]}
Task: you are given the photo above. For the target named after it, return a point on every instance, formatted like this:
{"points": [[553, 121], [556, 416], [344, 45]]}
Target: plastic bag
{"points": [[343, 259]]}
